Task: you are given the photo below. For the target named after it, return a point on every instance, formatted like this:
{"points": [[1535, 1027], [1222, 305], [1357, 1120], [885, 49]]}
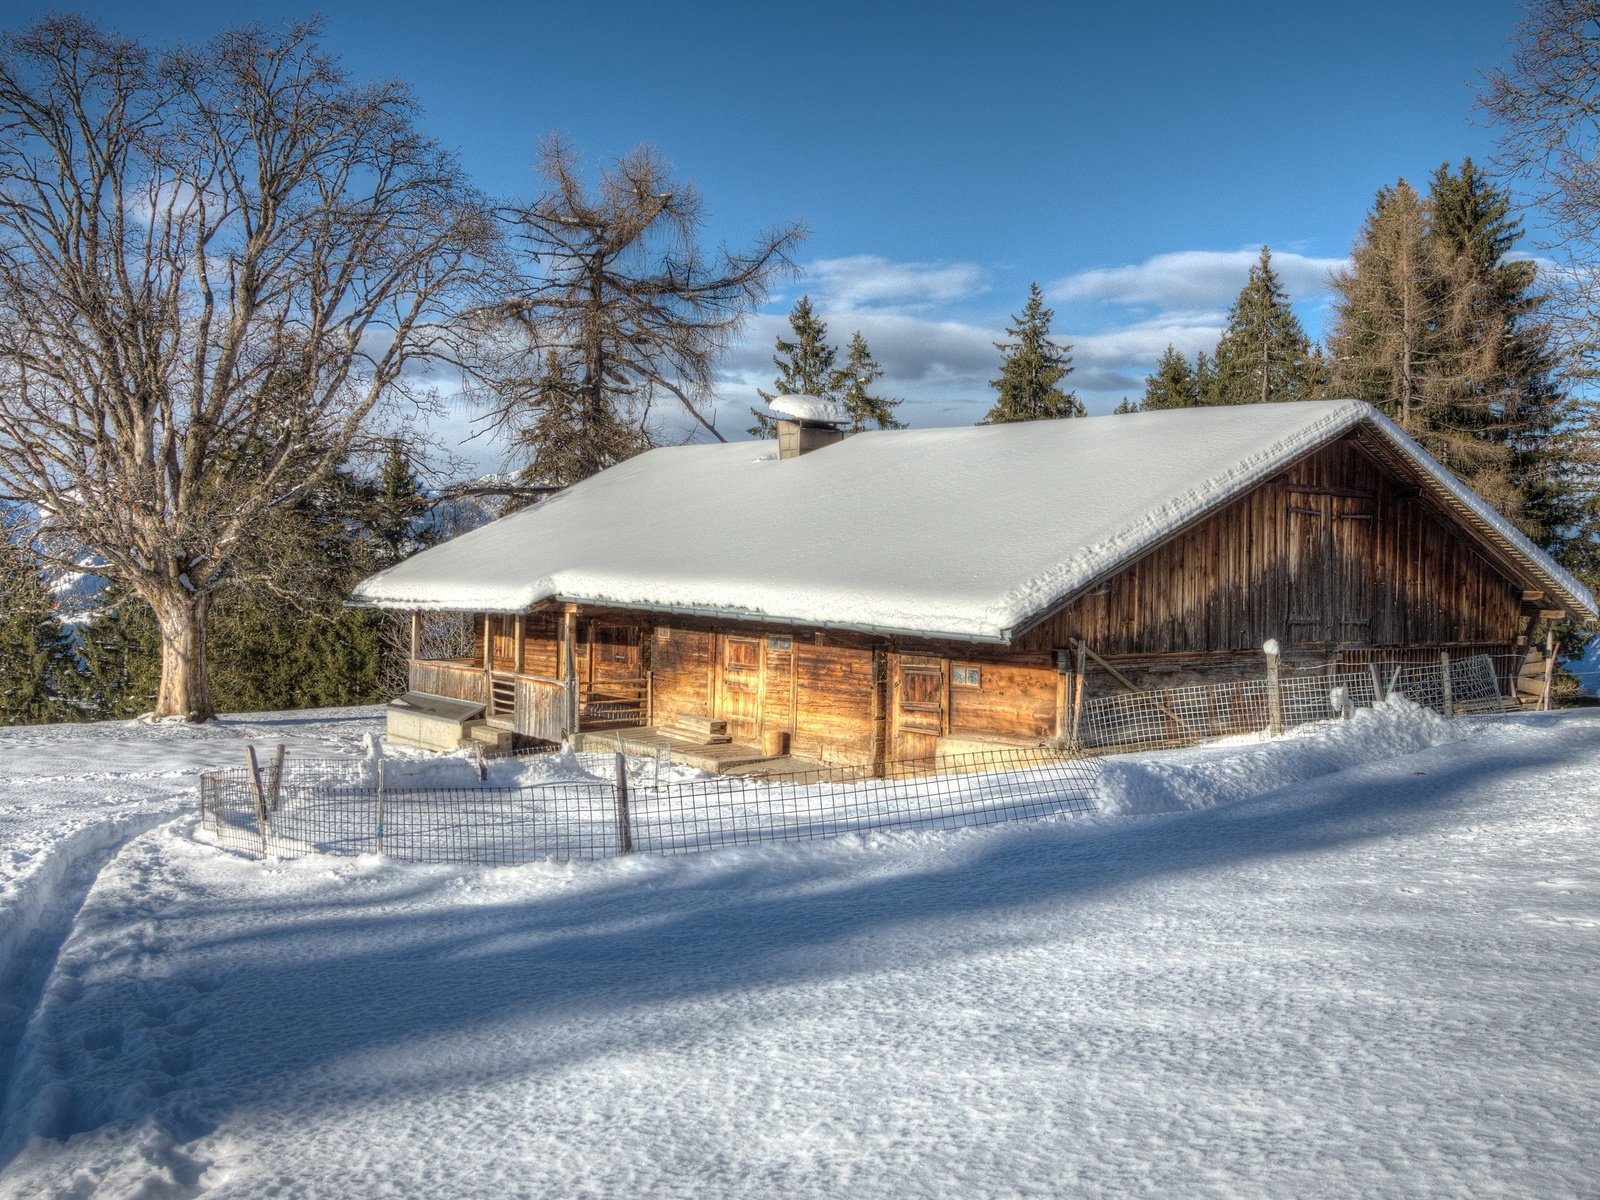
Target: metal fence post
{"points": [[624, 823], [1445, 690], [379, 831]]}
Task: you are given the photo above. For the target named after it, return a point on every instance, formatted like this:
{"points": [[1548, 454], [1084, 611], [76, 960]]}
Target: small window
{"points": [[663, 634], [966, 677], [780, 643]]}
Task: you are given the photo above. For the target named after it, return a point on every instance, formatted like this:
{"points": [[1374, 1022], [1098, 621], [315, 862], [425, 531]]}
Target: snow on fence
{"points": [[610, 805], [1182, 716]]}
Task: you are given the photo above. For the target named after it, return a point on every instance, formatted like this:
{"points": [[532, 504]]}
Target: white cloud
{"points": [[870, 279], [1193, 280]]}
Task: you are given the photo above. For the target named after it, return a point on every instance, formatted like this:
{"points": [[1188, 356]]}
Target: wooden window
{"points": [[780, 643], [966, 677], [613, 644], [663, 634]]}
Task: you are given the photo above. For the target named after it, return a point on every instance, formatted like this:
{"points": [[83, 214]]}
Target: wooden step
{"points": [[690, 724], [493, 737]]}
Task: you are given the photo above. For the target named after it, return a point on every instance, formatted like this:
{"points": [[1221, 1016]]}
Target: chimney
{"points": [[806, 423], [802, 437]]}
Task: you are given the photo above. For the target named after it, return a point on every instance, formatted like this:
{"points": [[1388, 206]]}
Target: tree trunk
{"points": [[185, 685]]}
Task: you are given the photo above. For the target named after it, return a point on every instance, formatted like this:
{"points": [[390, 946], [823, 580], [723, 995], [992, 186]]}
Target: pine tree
{"points": [[1125, 406], [852, 384], [1439, 329], [1173, 385], [1263, 353], [1513, 397], [38, 672], [119, 649], [805, 365], [569, 431], [1031, 367]]}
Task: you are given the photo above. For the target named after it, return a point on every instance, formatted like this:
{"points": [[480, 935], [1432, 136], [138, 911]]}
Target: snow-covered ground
{"points": [[1359, 962]]}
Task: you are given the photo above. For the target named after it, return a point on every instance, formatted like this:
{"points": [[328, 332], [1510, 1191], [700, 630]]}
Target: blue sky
{"points": [[1130, 158]]}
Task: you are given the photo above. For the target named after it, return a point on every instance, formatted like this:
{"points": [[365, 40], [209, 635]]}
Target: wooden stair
{"points": [[705, 730], [495, 735]]}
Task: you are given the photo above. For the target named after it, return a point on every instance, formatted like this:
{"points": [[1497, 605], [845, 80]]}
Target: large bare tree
{"points": [[214, 264], [620, 307]]}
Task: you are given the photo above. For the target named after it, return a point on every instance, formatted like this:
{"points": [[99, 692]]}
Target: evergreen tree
{"points": [[852, 384], [38, 672], [1205, 376], [805, 365], [1031, 367], [569, 431], [1173, 385], [119, 649], [1513, 397], [1439, 329], [1126, 406], [1263, 354]]}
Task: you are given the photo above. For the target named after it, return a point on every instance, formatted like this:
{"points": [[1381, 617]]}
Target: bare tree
{"points": [[214, 264], [620, 307], [1546, 102]]}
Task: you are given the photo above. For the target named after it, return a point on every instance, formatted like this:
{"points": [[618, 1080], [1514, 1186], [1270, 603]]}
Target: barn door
{"points": [[1354, 540], [741, 688], [1309, 582], [919, 707]]}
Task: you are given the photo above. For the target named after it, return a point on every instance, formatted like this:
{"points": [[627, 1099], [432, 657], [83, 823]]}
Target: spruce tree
{"points": [[38, 672], [1263, 354], [569, 431], [852, 384], [119, 649], [1125, 406], [1031, 367], [1173, 385], [806, 365], [1437, 327]]}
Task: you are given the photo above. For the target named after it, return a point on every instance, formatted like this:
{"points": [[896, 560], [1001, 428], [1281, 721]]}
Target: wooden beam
{"points": [[416, 634], [1129, 684], [519, 630]]}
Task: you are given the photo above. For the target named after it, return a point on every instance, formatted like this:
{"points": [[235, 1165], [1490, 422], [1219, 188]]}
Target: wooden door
{"points": [[1309, 582], [919, 688], [503, 634], [1354, 538], [740, 701]]}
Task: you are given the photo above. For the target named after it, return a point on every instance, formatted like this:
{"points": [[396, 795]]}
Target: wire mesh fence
{"points": [[625, 806], [1166, 718]]}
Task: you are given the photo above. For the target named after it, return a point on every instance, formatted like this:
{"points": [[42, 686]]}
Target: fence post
{"points": [[624, 825], [379, 830], [260, 795], [1274, 689], [1379, 695], [1077, 691], [1549, 668], [276, 797], [1445, 690]]}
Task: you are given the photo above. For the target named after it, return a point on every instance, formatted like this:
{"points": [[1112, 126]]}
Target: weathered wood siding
{"points": [[1008, 701], [1332, 553], [461, 681], [834, 685], [541, 645], [680, 663]]}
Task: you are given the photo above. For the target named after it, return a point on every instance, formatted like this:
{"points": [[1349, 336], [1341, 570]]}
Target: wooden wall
{"points": [[1333, 553]]}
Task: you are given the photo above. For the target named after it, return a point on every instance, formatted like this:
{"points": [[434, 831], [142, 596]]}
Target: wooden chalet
{"points": [[894, 595]]}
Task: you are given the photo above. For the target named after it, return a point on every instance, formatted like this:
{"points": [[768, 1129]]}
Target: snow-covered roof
{"points": [[810, 408], [971, 533]]}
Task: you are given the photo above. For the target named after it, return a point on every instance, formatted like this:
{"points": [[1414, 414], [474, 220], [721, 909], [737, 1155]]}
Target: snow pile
{"points": [[1208, 776], [810, 408]]}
